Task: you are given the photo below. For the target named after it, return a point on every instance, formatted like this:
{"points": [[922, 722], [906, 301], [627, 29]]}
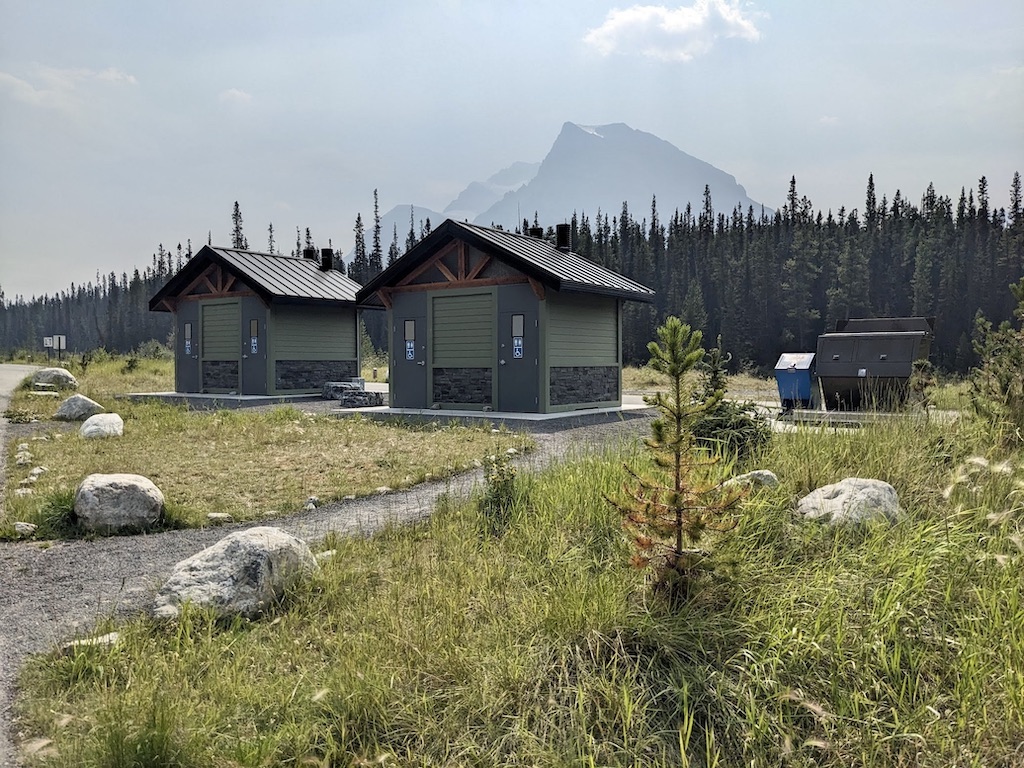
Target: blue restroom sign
{"points": [[517, 346], [410, 350]]}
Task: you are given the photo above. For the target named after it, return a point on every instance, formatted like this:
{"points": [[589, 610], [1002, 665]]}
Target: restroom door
{"points": [[518, 362], [409, 362]]}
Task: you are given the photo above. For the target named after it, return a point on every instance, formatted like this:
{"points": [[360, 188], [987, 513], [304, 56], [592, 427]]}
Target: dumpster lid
{"points": [[798, 361]]}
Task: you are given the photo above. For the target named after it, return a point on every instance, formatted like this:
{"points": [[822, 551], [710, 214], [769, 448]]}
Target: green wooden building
{"points": [[261, 324], [481, 318]]}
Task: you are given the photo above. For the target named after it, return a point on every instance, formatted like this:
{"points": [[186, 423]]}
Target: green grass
{"points": [[245, 463], [436, 644]]}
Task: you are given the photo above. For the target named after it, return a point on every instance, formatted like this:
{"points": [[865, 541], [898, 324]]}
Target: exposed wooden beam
{"points": [[485, 283], [429, 263], [231, 295], [480, 267], [462, 260], [443, 269], [384, 294], [538, 288], [228, 283]]}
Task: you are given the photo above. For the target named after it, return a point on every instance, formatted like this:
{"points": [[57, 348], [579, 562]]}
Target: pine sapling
{"points": [[667, 518]]}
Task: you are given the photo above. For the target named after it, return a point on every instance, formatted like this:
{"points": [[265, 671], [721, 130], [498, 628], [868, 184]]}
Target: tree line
{"points": [[765, 283]]}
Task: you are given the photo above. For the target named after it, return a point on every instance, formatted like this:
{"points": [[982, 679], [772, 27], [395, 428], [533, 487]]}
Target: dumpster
{"points": [[794, 373], [867, 362]]}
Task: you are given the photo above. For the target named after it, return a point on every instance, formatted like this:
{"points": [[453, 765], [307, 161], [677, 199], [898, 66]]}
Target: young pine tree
{"points": [[667, 513]]}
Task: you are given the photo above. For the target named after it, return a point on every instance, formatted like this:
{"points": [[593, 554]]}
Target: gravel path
{"points": [[50, 594]]}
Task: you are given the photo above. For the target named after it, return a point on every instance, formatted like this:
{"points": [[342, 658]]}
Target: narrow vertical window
{"points": [[254, 328], [188, 331], [410, 330], [517, 325]]}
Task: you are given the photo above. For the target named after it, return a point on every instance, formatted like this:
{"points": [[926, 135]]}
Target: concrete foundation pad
{"points": [[215, 402]]}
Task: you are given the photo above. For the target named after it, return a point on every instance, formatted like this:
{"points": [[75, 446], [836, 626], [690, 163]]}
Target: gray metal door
{"points": [[409, 361], [254, 357], [186, 358], [518, 362]]}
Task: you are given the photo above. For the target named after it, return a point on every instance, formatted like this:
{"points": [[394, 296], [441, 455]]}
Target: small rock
{"points": [[119, 501], [326, 555], [759, 478], [511, 452], [314, 500], [349, 497], [58, 377], [220, 517], [22, 447], [382, 489], [31, 479], [103, 641], [25, 529], [102, 425], [78, 408], [38, 471], [23, 491], [244, 573], [850, 501], [310, 506]]}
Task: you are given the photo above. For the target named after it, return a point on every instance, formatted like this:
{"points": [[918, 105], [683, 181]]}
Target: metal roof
{"points": [[537, 258], [273, 276]]}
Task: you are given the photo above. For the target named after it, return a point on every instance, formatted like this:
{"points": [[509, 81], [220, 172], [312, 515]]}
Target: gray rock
{"points": [[25, 529], [109, 503], [244, 573], [102, 425], [759, 478], [850, 501], [220, 517], [78, 408], [57, 377]]}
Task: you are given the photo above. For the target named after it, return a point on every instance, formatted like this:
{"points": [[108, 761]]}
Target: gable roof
{"points": [[274, 277], [536, 258]]}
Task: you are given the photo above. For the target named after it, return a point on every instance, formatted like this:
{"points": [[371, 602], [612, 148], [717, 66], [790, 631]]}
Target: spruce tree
{"points": [[237, 236]]}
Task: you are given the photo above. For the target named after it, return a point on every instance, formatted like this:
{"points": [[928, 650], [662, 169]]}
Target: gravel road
{"points": [[48, 595]]}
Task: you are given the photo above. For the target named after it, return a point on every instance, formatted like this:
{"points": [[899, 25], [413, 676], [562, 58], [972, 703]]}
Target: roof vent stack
{"points": [[563, 237], [309, 253], [537, 232], [326, 259]]}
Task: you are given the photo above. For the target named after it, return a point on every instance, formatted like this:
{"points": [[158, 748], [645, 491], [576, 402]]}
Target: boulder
{"points": [[25, 529], [102, 425], [57, 377], [850, 501], [244, 573], [78, 408], [109, 503], [759, 478]]}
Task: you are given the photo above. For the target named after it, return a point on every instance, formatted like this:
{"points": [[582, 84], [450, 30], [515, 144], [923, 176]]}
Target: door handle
{"points": [[422, 362]]}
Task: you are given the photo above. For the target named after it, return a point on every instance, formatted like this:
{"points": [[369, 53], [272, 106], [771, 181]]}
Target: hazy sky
{"points": [[129, 123]]}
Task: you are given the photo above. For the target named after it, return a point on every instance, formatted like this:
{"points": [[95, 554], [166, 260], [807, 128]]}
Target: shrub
{"points": [[997, 386]]}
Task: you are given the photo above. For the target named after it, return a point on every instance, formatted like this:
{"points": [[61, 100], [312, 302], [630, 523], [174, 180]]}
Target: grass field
{"points": [[442, 643], [245, 463], [439, 645]]}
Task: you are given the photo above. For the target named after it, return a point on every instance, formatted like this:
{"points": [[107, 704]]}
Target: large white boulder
{"points": [[110, 503], [60, 378], [102, 425], [850, 501], [244, 573], [78, 408]]}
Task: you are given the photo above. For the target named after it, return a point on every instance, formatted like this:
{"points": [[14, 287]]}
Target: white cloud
{"points": [[672, 34], [56, 87], [235, 96]]}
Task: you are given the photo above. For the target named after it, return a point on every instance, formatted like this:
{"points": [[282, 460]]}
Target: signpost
{"points": [[60, 343], [48, 346]]}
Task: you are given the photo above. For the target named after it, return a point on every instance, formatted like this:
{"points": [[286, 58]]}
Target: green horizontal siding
{"points": [[221, 331], [302, 333], [583, 333], [463, 331]]}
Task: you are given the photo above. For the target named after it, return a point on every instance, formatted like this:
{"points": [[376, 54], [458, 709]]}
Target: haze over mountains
{"points": [[587, 168]]}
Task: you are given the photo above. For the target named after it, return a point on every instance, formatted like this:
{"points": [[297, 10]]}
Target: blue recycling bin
{"points": [[794, 373]]}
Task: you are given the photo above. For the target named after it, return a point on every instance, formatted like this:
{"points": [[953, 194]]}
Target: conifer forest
{"points": [[766, 283]]}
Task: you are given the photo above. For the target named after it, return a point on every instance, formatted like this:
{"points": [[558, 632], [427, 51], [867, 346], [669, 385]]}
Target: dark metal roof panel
{"points": [[288, 277], [570, 270], [539, 259]]}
